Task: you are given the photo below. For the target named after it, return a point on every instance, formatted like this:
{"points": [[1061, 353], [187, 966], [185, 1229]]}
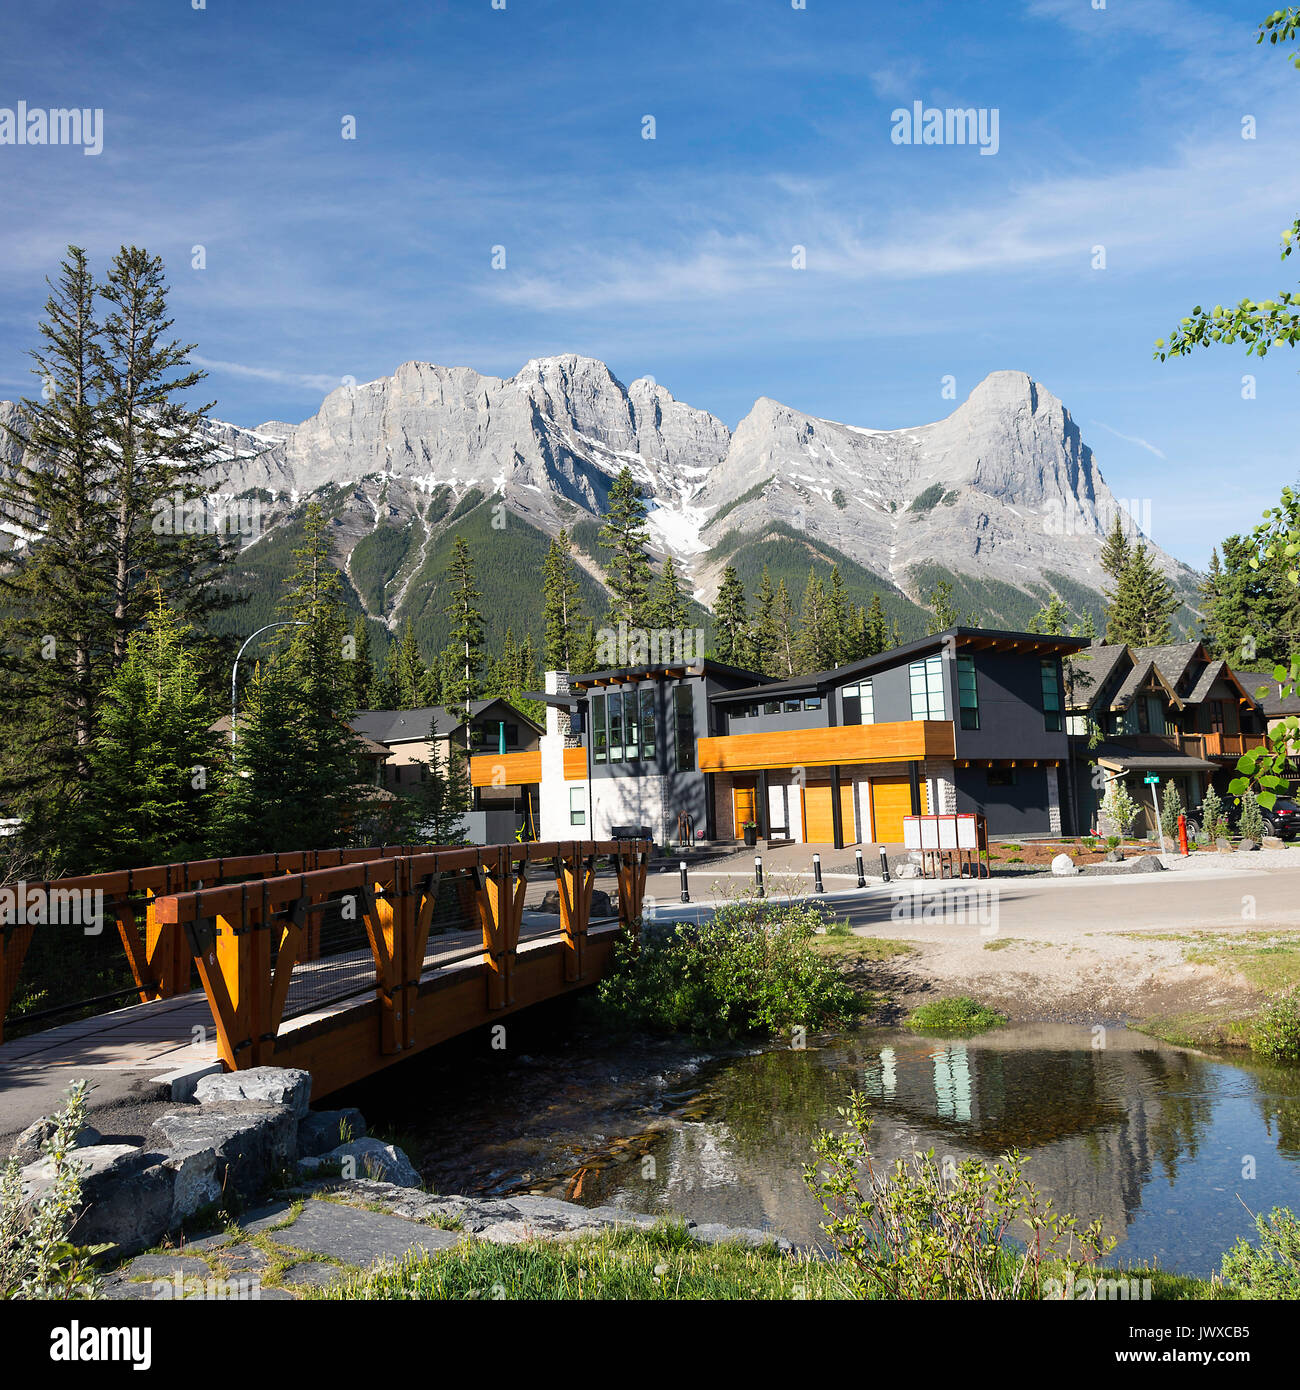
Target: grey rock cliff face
{"points": [[1004, 487]]}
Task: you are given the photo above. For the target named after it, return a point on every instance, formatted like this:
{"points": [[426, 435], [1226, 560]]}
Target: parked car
{"points": [[1282, 819]]}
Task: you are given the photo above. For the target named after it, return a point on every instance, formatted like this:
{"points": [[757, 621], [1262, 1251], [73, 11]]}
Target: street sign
{"points": [[1151, 781]]}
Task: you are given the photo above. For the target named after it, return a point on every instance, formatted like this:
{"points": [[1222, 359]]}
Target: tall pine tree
{"points": [[465, 642], [624, 535], [730, 620], [562, 609]]}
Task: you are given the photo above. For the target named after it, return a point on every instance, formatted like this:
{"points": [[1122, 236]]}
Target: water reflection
{"points": [[1154, 1140]]}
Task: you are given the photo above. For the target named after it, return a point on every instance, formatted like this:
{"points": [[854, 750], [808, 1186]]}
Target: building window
{"points": [[684, 711], [967, 695], [927, 688], [1051, 696], [1217, 720], [791, 706], [599, 732], [772, 707], [814, 703], [631, 727], [577, 806], [648, 724], [858, 703]]}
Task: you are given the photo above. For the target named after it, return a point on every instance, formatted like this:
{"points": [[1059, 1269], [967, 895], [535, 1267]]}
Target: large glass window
{"points": [[599, 732], [1051, 696], [631, 727], [684, 718], [967, 695], [927, 688], [648, 724], [616, 727], [859, 703]]}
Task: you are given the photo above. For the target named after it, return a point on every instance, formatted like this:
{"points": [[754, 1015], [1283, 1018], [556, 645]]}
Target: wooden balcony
{"points": [[1220, 745], [522, 769], [902, 741]]}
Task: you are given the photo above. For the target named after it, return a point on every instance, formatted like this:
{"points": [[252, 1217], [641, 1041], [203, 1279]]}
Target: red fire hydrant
{"points": [[1182, 834]]}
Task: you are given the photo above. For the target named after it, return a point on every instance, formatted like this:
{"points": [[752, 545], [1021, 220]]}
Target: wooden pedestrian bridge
{"points": [[340, 962]]}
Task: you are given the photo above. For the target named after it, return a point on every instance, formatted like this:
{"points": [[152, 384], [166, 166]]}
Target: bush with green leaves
{"points": [[1271, 1270], [1214, 817], [960, 1014], [1171, 807], [37, 1260], [917, 1229], [1119, 807], [750, 969], [1275, 1032], [1250, 822]]}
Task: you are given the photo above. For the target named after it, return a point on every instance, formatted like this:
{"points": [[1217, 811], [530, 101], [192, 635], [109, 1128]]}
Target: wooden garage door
{"points": [[891, 800], [818, 821]]}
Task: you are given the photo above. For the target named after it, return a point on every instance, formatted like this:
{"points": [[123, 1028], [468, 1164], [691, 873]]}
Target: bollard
{"points": [[884, 865], [862, 873], [758, 876], [817, 874], [1182, 834], [686, 892]]}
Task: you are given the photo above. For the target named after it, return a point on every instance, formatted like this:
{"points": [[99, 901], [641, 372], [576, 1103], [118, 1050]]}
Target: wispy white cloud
{"points": [[311, 381], [1131, 439]]}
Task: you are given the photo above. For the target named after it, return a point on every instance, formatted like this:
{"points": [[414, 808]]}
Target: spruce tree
{"points": [[57, 630], [764, 638], [814, 640], [877, 633], [783, 631], [730, 620], [667, 609], [943, 612], [1143, 604], [1114, 555], [461, 674], [153, 772], [562, 610], [1051, 618], [361, 671], [624, 535], [838, 619], [408, 671]]}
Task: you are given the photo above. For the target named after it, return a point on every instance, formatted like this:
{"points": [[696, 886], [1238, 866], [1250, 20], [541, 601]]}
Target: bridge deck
{"points": [[159, 1037]]}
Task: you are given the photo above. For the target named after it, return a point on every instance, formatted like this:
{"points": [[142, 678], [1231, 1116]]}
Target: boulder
{"points": [[27, 1147], [1115, 856], [126, 1195], [366, 1158], [1272, 842], [251, 1143], [602, 904], [319, 1131], [1245, 846], [1149, 864], [1223, 846], [1063, 866], [264, 1085]]}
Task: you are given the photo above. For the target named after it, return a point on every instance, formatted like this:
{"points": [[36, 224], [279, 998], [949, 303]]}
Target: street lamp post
{"points": [[234, 672]]}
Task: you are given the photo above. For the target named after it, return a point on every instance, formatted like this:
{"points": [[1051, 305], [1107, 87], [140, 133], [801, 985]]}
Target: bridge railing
{"points": [[158, 961], [251, 941]]}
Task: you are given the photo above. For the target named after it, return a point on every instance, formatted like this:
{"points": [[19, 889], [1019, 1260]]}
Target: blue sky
{"points": [[479, 127]]}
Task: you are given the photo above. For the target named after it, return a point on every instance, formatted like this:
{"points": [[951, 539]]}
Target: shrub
{"points": [[1214, 817], [1250, 823], [1275, 1033], [1119, 807], [957, 1015], [37, 1260], [1273, 1270], [750, 969], [1171, 807], [921, 1230]]}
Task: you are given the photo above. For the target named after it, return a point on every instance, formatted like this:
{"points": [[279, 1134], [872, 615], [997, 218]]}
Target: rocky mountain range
{"points": [[1002, 496]]}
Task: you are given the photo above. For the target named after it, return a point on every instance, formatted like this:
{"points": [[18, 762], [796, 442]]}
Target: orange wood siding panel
{"points": [[505, 769], [891, 800], [575, 764], [849, 743]]}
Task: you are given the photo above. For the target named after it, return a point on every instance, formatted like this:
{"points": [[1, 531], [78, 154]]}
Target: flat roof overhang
{"points": [[902, 741]]}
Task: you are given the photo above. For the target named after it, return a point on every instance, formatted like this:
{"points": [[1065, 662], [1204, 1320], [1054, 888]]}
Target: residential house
{"points": [[966, 720], [1173, 712]]}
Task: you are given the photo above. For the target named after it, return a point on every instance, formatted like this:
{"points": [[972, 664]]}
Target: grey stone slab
{"points": [[266, 1085], [167, 1265], [314, 1272], [260, 1220], [360, 1237], [126, 1290], [252, 1143]]}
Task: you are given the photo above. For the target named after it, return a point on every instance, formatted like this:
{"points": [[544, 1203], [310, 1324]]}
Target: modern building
{"points": [[966, 720], [1173, 712]]}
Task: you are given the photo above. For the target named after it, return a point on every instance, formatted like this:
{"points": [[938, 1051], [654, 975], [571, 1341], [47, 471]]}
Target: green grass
{"points": [[846, 949], [661, 1264], [960, 1014]]}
